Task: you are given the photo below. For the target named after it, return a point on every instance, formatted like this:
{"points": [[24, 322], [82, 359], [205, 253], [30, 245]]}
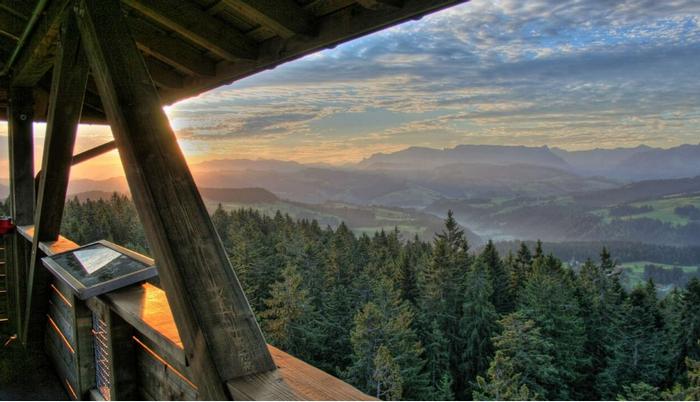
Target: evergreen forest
{"points": [[402, 318]]}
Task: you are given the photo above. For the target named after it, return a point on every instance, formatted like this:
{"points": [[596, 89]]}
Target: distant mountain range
{"points": [[632, 164], [427, 158], [416, 177], [626, 164]]}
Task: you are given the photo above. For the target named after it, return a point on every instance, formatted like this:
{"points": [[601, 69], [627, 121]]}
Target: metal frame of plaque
{"points": [[99, 267]]}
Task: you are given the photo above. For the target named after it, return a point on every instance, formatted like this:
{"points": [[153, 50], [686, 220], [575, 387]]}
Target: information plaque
{"points": [[99, 268]]}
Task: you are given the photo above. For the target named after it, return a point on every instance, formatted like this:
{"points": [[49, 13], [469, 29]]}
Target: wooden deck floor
{"points": [[25, 376]]}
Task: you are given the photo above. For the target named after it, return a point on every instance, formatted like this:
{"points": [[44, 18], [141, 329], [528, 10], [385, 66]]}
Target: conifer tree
{"points": [[522, 368], [444, 392], [549, 300], [601, 304], [501, 297], [639, 355], [387, 376], [520, 270], [436, 354], [478, 324], [387, 321], [686, 330], [289, 320], [442, 290], [639, 391]]}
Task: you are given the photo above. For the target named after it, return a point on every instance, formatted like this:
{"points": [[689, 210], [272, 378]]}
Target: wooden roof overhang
{"points": [[191, 46]]}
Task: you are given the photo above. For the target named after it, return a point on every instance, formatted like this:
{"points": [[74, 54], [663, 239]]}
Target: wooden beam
{"points": [[20, 8], [11, 25], [93, 152], [221, 336], [169, 50], [284, 17], [195, 25], [82, 157], [70, 74], [380, 4], [336, 27], [120, 352], [162, 75], [35, 56], [21, 149]]}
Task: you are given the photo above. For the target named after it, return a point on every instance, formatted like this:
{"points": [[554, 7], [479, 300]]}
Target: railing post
{"points": [[21, 149], [221, 337], [70, 75]]}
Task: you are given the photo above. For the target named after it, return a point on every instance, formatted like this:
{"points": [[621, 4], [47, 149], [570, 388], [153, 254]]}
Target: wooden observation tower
{"points": [[190, 333]]}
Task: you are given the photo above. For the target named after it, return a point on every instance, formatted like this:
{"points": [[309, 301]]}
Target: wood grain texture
{"points": [[59, 245], [218, 329], [284, 17], [36, 56], [70, 75], [21, 155], [146, 308], [193, 23]]}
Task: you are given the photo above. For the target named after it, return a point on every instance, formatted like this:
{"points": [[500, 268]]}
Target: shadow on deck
{"points": [[25, 375]]}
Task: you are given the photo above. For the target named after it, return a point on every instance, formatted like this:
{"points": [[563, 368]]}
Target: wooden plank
{"points": [[35, 57], [21, 150], [169, 50], [58, 313], [159, 380], [86, 155], [93, 152], [345, 24], [70, 75], [284, 17], [85, 349], [11, 25], [380, 4], [121, 350], [47, 247], [163, 75], [21, 159], [196, 25], [218, 329], [20, 8], [146, 308]]}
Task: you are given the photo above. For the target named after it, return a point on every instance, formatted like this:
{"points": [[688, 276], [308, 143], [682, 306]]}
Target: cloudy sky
{"points": [[573, 74]]}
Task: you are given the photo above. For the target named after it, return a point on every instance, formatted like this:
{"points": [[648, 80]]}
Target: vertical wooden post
{"points": [[118, 363], [222, 339], [70, 74], [85, 349], [21, 150]]}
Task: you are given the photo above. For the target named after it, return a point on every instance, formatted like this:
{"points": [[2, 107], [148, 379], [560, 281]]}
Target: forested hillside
{"points": [[408, 319]]}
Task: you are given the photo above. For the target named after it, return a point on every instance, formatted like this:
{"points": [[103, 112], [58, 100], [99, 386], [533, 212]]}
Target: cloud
{"points": [[572, 73]]}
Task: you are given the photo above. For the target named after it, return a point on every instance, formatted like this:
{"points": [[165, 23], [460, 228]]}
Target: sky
{"points": [[576, 74]]}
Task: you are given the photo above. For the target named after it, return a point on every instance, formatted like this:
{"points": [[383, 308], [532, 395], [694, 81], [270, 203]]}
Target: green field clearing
{"points": [[664, 210], [407, 231], [634, 273]]}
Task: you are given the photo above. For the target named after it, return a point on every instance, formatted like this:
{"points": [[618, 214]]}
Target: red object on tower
{"points": [[6, 225]]}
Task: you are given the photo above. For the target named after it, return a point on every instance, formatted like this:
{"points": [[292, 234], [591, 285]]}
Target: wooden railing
{"points": [[125, 345]]}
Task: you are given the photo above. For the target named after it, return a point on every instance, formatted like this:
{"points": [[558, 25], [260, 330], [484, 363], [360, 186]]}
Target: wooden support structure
{"points": [[162, 47], [32, 60], [117, 361], [21, 150], [221, 336], [205, 343], [284, 17], [199, 27], [67, 92]]}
